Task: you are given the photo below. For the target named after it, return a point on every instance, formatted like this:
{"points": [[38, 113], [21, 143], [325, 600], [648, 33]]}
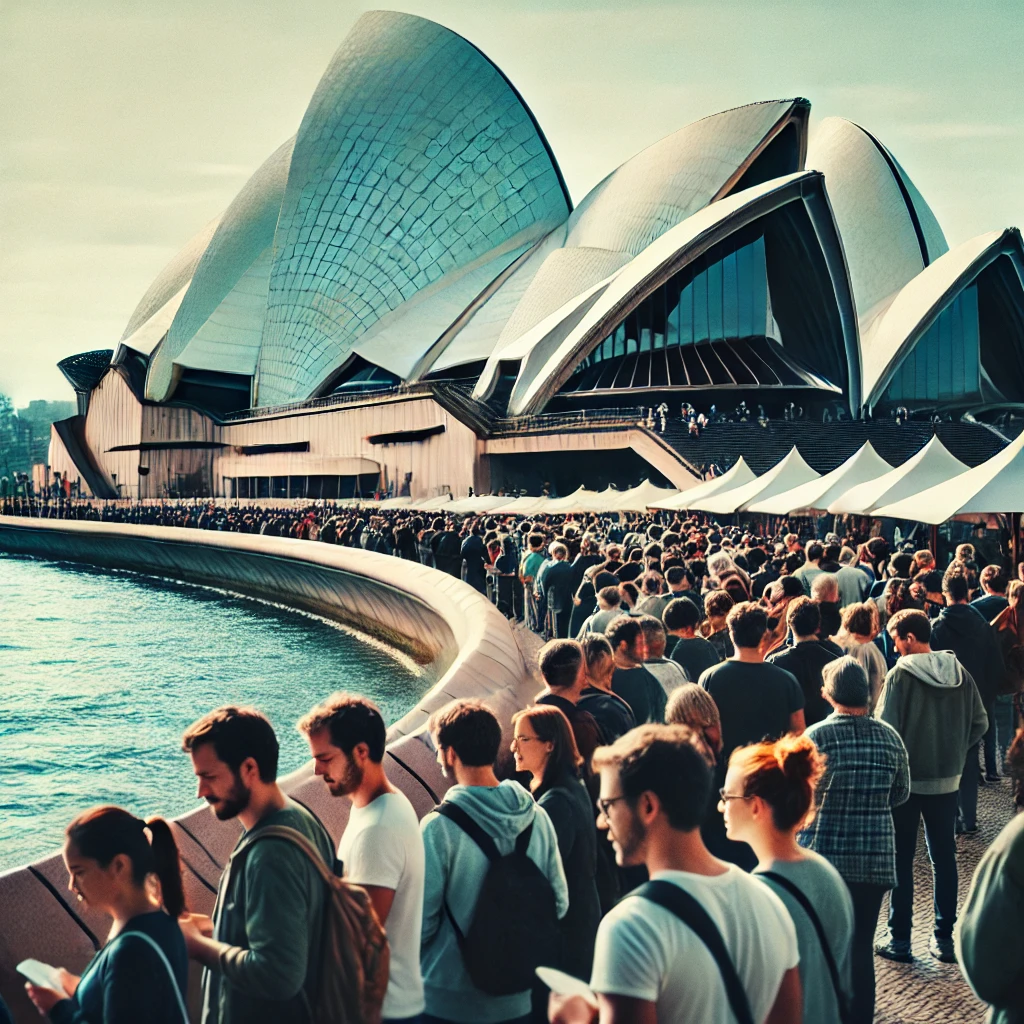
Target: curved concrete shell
{"points": [[553, 354], [242, 242], [649, 194], [889, 233], [910, 314], [415, 159], [174, 278]]}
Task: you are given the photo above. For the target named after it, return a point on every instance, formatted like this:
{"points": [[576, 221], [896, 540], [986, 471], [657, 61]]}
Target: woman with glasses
{"points": [[128, 869], [767, 797], [544, 747]]}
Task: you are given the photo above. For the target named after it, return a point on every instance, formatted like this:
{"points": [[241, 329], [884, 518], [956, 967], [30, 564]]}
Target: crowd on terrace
{"points": [[721, 777]]}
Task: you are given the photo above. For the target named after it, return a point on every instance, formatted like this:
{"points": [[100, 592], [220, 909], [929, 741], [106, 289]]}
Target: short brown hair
{"points": [[910, 622], [861, 619], [350, 720], [718, 602], [803, 616], [667, 761], [559, 662], [236, 733], [748, 623], [469, 728]]}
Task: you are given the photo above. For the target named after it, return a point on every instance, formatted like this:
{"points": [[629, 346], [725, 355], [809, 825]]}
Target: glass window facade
{"points": [[944, 364], [710, 324]]}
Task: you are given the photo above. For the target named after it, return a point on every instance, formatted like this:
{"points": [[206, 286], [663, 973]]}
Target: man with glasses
{"points": [[649, 965]]}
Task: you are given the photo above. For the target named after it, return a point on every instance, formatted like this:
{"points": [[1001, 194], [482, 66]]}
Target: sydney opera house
{"points": [[404, 298]]}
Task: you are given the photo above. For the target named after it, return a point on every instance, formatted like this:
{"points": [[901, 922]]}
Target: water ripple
{"points": [[95, 698]]}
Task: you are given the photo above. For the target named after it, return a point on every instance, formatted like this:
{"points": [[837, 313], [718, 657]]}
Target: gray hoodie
{"points": [[455, 870], [933, 703]]}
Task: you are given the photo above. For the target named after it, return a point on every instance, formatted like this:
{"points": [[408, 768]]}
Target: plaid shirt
{"points": [[867, 774]]}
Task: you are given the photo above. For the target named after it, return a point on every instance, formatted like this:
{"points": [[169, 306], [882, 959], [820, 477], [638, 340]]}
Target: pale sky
{"points": [[125, 125]]}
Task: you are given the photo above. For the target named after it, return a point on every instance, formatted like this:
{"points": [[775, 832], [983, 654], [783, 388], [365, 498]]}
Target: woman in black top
{"points": [[141, 973], [543, 745]]}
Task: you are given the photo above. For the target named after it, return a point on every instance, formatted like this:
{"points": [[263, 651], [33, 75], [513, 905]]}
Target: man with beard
{"points": [[260, 949], [648, 964], [381, 848]]}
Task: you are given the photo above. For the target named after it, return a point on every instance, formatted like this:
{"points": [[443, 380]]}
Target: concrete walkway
{"points": [[926, 991]]}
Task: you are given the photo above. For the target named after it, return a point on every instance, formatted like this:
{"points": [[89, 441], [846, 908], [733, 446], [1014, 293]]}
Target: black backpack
{"points": [[515, 921]]}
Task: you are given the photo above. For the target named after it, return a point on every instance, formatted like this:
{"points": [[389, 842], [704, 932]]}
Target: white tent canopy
{"points": [[442, 501], [403, 502], [641, 497], [783, 476], [740, 474], [581, 500], [522, 506], [932, 465], [865, 464], [997, 485], [477, 503]]}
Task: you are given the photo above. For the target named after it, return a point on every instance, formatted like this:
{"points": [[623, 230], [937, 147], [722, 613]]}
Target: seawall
{"points": [[460, 640]]}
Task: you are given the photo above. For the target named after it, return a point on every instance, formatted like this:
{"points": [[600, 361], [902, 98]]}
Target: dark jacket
{"points": [[964, 631], [568, 806], [557, 585], [806, 660]]}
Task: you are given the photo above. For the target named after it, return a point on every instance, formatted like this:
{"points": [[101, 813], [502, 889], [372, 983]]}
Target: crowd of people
{"points": [[735, 740]]}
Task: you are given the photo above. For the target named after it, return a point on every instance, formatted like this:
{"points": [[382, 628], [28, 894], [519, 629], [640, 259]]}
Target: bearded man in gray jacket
{"points": [[930, 699]]}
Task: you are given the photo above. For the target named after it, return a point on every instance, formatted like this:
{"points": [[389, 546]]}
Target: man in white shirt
{"points": [[381, 848], [650, 967]]}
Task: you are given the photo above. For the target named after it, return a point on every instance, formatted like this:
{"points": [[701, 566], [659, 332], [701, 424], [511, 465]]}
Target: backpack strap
{"points": [[456, 814], [798, 894], [680, 903], [523, 840], [163, 958]]}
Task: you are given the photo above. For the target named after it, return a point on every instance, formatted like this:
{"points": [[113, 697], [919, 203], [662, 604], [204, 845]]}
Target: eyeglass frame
{"points": [[724, 797], [603, 803]]}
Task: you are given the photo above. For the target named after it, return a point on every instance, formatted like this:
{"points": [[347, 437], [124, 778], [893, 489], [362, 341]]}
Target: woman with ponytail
{"points": [[767, 798], [128, 869]]}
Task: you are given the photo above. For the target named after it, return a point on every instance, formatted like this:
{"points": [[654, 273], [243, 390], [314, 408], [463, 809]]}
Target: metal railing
{"points": [[582, 419]]}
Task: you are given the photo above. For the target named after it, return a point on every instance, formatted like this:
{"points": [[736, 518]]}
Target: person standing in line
{"points": [[529, 566], [667, 672], [467, 737], [631, 681], [857, 639], [990, 940], [718, 604], [812, 567], [768, 795], [964, 631], [692, 653], [544, 747], [555, 588], [474, 558], [260, 949], [993, 582], [694, 707], [808, 655], [755, 700], [564, 670], [613, 715], [648, 964], [867, 775], [381, 848], [142, 969], [934, 704], [609, 607]]}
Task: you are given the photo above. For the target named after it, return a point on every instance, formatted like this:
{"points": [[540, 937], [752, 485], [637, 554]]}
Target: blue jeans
{"points": [[939, 813], [1005, 725]]}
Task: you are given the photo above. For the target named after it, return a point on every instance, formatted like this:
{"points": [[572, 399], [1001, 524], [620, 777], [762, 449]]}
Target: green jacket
{"points": [[990, 942], [270, 914], [933, 703]]}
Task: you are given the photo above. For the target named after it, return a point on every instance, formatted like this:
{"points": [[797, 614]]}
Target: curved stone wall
{"points": [[458, 637]]}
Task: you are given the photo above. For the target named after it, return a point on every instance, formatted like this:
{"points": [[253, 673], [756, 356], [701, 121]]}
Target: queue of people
{"points": [[699, 815]]}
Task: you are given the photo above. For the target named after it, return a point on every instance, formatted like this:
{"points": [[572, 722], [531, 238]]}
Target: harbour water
{"points": [[100, 673]]}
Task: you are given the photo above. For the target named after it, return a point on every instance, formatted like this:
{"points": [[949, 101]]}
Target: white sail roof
{"points": [[932, 465], [865, 464], [783, 476]]}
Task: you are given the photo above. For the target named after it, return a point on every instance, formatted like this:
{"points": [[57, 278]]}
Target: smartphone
{"points": [[40, 974], [563, 984]]}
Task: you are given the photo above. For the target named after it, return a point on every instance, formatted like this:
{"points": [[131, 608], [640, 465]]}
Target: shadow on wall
{"points": [[464, 644]]}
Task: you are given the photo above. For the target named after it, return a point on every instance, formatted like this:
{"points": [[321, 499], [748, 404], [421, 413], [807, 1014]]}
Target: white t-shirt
{"points": [[645, 952], [382, 845]]}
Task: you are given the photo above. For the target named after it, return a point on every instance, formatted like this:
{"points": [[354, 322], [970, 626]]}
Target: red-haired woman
{"points": [[128, 869], [768, 796]]}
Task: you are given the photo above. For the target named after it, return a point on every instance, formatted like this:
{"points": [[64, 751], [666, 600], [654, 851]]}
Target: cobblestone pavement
{"points": [[927, 991], [924, 992]]}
